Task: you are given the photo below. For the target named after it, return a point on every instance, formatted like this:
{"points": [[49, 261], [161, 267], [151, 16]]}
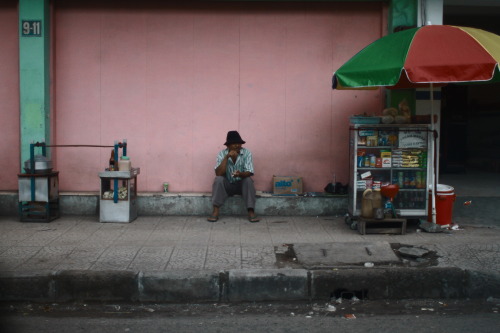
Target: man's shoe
{"points": [[253, 219], [213, 219]]}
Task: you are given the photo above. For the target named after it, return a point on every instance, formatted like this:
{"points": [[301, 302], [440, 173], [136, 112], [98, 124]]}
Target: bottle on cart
{"points": [[112, 163], [377, 204], [388, 209], [377, 199]]}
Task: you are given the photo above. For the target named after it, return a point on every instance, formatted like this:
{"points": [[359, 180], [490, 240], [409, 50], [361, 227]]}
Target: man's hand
{"points": [[221, 169], [233, 154], [241, 174]]}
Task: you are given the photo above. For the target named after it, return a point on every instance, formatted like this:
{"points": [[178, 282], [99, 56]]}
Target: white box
{"points": [[365, 175]]}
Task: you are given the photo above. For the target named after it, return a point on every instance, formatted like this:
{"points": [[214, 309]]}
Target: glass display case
{"points": [[383, 154]]}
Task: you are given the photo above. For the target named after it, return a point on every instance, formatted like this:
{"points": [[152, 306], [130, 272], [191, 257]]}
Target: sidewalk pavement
{"points": [[282, 258]]}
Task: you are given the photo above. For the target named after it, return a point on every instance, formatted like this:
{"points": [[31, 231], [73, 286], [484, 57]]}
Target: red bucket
{"points": [[445, 197]]}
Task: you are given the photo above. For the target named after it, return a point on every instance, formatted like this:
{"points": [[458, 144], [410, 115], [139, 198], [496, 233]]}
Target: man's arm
{"points": [[248, 166], [221, 169]]}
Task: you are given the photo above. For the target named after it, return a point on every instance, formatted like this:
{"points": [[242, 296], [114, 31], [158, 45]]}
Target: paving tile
{"points": [[195, 236], [187, 257], [104, 236], [258, 257], [42, 237], [46, 258], [74, 264], [475, 256], [171, 223], [151, 258], [3, 248], [16, 234], [116, 258], [225, 235], [255, 238], [70, 238], [133, 237], [223, 257], [15, 256], [162, 238], [190, 242], [312, 231], [10, 264], [21, 252], [81, 258]]}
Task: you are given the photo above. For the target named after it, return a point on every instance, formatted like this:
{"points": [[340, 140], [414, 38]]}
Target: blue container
{"points": [[365, 120]]}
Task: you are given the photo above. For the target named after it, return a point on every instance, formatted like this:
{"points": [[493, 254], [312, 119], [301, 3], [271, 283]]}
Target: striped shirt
{"points": [[244, 162]]}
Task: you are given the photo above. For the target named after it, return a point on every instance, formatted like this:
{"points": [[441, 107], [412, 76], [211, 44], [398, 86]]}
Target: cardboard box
{"points": [[371, 141], [385, 154], [287, 185], [386, 159], [361, 184], [366, 175]]}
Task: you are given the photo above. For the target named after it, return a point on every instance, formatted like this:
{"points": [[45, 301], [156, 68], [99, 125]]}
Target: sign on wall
{"points": [[31, 28]]}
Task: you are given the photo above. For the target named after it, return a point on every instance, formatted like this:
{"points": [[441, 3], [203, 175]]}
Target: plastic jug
{"points": [[377, 199], [124, 164], [367, 204]]}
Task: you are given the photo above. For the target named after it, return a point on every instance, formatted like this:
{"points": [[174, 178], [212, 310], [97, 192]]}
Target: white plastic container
{"points": [[124, 164]]}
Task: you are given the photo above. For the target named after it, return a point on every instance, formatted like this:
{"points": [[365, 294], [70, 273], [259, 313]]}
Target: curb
{"points": [[242, 285]]}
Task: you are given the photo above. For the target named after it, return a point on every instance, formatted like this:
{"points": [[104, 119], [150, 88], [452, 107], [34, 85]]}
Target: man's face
{"points": [[234, 146]]}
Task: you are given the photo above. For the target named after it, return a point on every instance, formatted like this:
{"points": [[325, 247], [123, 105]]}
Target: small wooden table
{"points": [[384, 226]]}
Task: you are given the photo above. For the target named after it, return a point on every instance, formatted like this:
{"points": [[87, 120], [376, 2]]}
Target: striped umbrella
{"points": [[428, 56], [437, 54]]}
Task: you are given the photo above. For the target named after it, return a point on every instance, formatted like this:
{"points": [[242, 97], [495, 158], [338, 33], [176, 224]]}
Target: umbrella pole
{"points": [[433, 176]]}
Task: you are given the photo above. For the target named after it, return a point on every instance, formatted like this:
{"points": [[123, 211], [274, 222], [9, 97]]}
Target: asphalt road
{"points": [[354, 316]]}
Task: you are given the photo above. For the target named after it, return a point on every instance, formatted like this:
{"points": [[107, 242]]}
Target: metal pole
{"points": [[115, 180], [32, 170], [433, 176]]}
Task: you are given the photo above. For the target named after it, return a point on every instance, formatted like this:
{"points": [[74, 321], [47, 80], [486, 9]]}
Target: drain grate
{"points": [[349, 294]]}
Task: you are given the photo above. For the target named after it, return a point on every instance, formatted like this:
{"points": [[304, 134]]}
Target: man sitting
{"points": [[233, 172]]}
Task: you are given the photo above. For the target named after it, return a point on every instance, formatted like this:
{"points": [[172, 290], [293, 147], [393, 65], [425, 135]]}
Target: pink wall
{"points": [[9, 96], [174, 80]]}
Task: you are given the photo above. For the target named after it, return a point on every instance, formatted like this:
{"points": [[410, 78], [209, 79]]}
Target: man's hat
{"points": [[233, 137]]}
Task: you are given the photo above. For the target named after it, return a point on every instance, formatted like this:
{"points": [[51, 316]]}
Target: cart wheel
{"points": [[354, 225], [348, 220]]}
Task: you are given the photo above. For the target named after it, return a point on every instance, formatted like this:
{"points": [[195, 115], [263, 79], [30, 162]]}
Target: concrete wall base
{"points": [[159, 204], [483, 211]]}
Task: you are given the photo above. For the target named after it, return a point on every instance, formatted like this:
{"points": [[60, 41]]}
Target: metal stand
{"points": [[118, 196], [38, 197]]}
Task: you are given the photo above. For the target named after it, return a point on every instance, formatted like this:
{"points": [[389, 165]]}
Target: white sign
{"points": [[412, 139]]}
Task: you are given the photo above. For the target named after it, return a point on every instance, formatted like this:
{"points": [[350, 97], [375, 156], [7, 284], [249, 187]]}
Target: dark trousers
{"points": [[222, 188]]}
